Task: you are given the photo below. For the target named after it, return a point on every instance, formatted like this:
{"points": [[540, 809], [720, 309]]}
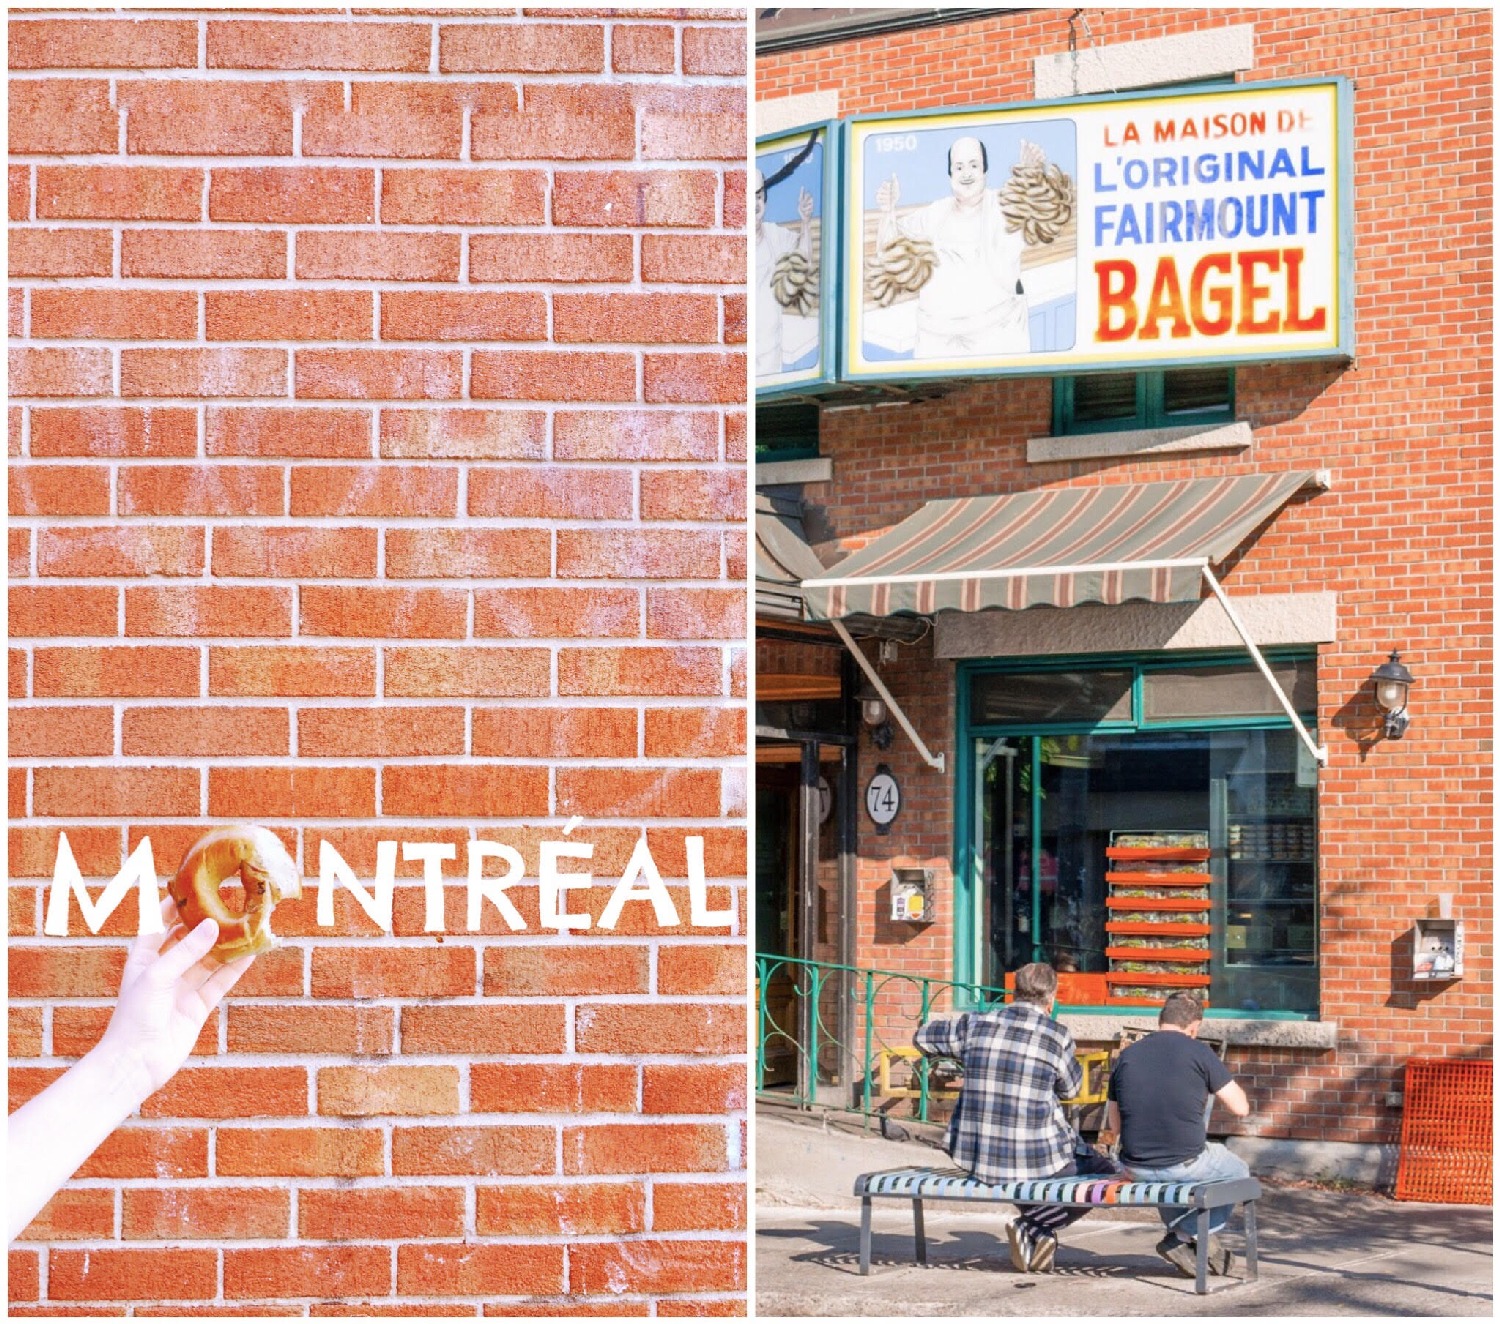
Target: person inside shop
{"points": [[169, 986], [1019, 1065], [1161, 1090]]}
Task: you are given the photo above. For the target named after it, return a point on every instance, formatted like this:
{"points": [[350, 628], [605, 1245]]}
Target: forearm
{"points": [[50, 1137], [943, 1038]]}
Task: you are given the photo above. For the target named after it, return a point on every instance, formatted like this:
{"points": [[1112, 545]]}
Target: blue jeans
{"points": [[1215, 1163]]}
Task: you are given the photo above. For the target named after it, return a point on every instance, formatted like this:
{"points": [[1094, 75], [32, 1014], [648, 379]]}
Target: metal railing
{"points": [[822, 1029]]}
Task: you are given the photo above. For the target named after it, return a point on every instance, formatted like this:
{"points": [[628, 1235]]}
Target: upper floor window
{"points": [[786, 432], [1132, 401]]}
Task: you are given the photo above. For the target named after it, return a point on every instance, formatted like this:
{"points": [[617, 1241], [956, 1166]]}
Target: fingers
{"points": [[187, 953], [222, 980], [146, 945]]}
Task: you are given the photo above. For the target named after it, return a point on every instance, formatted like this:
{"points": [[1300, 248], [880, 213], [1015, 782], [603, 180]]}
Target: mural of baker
{"points": [[977, 272], [788, 184]]}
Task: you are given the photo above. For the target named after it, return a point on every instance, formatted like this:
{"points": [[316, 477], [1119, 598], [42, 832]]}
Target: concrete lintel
{"points": [[782, 113], [1210, 52], [774, 473], [1143, 442], [1314, 1036], [1133, 627]]}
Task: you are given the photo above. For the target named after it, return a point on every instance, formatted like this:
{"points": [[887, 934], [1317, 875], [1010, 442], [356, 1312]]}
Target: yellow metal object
{"points": [[886, 1090], [1095, 1064], [1094, 1061]]}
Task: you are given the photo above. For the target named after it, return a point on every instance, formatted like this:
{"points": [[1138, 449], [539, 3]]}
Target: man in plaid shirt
{"points": [[1019, 1064]]}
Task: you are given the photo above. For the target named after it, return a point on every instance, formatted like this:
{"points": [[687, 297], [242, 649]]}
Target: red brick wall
{"points": [[377, 472], [1403, 537]]}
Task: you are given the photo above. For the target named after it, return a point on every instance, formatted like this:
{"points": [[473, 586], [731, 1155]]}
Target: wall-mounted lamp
{"points": [[1392, 685], [873, 710]]}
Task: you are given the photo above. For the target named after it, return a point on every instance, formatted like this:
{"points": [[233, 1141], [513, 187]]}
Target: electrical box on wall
{"points": [[1437, 949], [912, 895]]}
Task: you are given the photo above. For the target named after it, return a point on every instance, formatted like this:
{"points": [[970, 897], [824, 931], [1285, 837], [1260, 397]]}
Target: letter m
{"points": [[139, 869]]}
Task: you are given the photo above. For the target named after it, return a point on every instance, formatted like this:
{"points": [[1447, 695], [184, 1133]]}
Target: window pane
{"points": [[1270, 934], [1229, 691], [785, 431], [1109, 395], [1193, 390], [1052, 696]]}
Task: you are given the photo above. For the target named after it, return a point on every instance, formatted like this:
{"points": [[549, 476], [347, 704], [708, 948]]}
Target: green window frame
{"points": [[787, 432], [968, 926], [1137, 401]]}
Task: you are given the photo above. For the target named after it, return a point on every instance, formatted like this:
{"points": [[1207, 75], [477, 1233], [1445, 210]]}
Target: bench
{"points": [[920, 1184]]}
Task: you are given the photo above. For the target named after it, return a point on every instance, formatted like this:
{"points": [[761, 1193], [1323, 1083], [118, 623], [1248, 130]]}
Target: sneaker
{"points": [[1220, 1257], [1180, 1254], [1030, 1252], [1043, 1252], [1183, 1255], [1021, 1246]]}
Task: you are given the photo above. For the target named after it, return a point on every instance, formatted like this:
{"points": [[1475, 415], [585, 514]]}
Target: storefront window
{"points": [[1050, 812], [1052, 696], [1230, 691]]}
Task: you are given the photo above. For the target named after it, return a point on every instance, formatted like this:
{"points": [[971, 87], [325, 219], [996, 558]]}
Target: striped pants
{"points": [[1052, 1218]]}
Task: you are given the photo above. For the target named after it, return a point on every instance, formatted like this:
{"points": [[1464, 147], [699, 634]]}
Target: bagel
{"points": [[1038, 199], [268, 873], [902, 267], [794, 283]]}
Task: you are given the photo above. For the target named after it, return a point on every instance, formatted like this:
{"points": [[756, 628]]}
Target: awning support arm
{"points": [[1319, 752], [932, 760]]}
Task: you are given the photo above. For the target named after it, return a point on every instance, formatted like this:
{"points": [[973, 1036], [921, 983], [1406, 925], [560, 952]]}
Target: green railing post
{"points": [[761, 978], [869, 1038], [812, 1034]]}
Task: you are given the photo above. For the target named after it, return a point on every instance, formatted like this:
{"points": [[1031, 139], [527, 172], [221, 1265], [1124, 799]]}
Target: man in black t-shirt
{"points": [[1161, 1092]]}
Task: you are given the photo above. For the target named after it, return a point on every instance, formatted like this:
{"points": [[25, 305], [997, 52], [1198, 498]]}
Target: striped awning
{"points": [[782, 559], [1054, 547]]}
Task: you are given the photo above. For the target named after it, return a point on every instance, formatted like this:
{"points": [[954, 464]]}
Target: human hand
{"points": [[165, 997], [805, 205], [888, 194]]}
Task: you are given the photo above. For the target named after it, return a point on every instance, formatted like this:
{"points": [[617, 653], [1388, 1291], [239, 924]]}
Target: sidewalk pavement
{"points": [[1322, 1252]]}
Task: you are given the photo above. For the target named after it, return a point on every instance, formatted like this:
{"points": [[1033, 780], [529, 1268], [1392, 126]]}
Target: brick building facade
{"points": [[1401, 537]]}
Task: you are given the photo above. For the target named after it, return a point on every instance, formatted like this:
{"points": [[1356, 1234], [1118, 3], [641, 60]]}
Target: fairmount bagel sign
{"points": [[1131, 231]]}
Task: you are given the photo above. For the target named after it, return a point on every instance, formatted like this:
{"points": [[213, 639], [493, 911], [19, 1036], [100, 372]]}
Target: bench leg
{"points": [[864, 1236], [1252, 1262], [921, 1230], [1202, 1284]]}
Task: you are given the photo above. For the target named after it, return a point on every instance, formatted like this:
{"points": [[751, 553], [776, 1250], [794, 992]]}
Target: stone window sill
{"points": [[774, 473], [1315, 1036], [1142, 442]]}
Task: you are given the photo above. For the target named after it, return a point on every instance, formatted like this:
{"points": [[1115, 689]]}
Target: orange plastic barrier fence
{"points": [[1447, 1140]]}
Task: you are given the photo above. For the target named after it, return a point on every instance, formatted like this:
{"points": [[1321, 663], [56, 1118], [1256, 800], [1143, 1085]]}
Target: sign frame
{"points": [[1341, 197], [830, 214]]}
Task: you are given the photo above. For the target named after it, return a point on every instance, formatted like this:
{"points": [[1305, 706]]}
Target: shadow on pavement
{"points": [[1322, 1252], [948, 1251]]}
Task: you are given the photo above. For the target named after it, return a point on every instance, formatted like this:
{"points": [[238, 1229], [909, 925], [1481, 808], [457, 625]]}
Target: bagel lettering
{"points": [[264, 868]]}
